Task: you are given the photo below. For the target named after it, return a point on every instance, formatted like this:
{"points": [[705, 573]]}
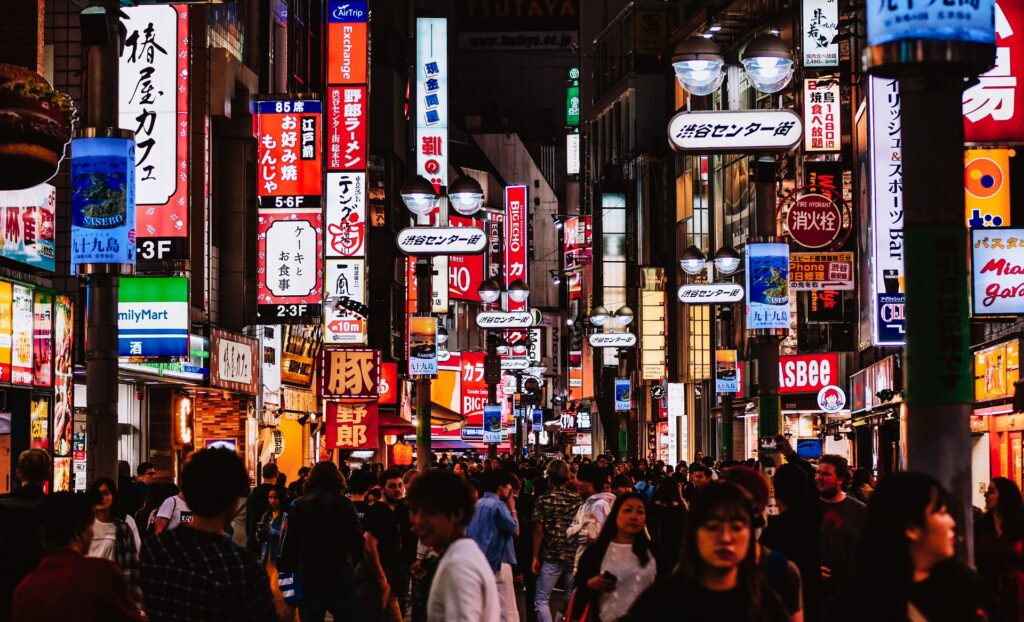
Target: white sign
{"points": [[344, 288], [270, 374], [283, 238], [432, 99], [831, 399], [441, 240], [612, 340], [710, 293], [885, 156], [504, 319], [735, 131], [535, 345], [678, 442], [443, 356], [235, 360], [515, 363], [821, 115], [821, 25], [997, 271], [345, 215], [439, 289], [508, 390], [572, 154]]}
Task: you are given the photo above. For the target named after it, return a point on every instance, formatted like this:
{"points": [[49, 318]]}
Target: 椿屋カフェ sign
{"points": [[735, 131]]}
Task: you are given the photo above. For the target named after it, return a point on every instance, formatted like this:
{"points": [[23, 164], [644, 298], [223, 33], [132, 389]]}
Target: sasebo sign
{"points": [[613, 340], [504, 319], [515, 363], [735, 131], [710, 293], [441, 240]]}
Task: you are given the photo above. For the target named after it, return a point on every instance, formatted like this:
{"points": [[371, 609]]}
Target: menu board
{"points": [[42, 340], [21, 342], [6, 328], [63, 409]]}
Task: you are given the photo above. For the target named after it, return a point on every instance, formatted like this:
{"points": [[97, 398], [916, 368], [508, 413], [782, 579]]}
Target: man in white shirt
{"points": [[464, 587], [592, 484], [172, 512]]}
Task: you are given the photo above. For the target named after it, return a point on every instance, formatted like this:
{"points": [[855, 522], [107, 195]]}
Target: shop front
{"points": [[225, 414], [997, 430], [878, 416]]}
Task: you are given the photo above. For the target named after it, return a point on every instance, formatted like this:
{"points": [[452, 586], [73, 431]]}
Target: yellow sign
{"points": [[987, 187], [995, 371]]}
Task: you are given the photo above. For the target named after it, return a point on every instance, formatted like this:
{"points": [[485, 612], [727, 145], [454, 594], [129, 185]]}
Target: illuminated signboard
{"points": [[767, 279], [821, 115], [821, 25], [29, 225], [345, 301], [102, 201], [432, 99], [347, 110], [465, 272], [288, 153], [997, 271], [345, 215], [346, 42], [987, 187], [515, 241], [289, 274], [349, 373], [994, 107], [901, 20], [152, 317], [996, 370]]}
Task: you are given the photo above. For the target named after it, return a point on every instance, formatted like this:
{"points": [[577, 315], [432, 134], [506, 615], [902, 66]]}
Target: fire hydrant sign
{"points": [[351, 426], [997, 269]]}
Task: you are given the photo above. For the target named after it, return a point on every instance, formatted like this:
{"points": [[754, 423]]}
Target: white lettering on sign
{"points": [[807, 373]]}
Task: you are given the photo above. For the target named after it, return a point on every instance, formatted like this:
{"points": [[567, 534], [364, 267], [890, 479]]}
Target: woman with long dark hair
{"points": [[618, 566], [907, 569], [666, 519], [999, 546], [113, 538], [717, 578]]}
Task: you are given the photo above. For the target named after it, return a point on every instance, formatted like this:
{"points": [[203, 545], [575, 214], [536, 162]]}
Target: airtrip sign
{"points": [[808, 373]]}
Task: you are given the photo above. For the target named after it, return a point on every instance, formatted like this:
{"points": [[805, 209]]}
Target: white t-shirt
{"points": [[464, 588], [104, 541], [633, 579], [176, 511]]}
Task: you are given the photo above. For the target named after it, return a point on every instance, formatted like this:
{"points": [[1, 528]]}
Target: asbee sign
{"points": [[735, 131], [710, 293], [808, 373], [441, 240], [612, 340]]}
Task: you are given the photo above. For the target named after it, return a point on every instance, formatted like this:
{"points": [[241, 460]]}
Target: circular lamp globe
{"points": [[598, 316], [768, 63], [624, 316], [489, 290], [519, 349], [727, 260], [466, 196], [699, 65], [442, 334], [518, 291], [693, 260], [419, 195]]}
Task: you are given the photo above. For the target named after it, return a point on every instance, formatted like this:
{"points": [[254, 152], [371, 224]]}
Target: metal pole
{"points": [[938, 361], [726, 450], [492, 387], [766, 347], [101, 289], [623, 440], [424, 272]]}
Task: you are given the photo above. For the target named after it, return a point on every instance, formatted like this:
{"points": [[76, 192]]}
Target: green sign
{"points": [[572, 97]]}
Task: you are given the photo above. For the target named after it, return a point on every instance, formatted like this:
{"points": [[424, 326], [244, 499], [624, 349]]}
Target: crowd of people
{"points": [[498, 540]]}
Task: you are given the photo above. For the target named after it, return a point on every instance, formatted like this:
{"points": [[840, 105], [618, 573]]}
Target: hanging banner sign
{"points": [[997, 269], [346, 119], [289, 277], [994, 107], [345, 301], [289, 171], [29, 219], [767, 277], [512, 363], [350, 426], [349, 373], [473, 386], [153, 98], [465, 272], [441, 240], [21, 336], [987, 187], [422, 346], [612, 340], [503, 319], [726, 378], [345, 215], [432, 100], [831, 399], [820, 27], [710, 293], [819, 271], [102, 201], [735, 131], [821, 115], [152, 317]]}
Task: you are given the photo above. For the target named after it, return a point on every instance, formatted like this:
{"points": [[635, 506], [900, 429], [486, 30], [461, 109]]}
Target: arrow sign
{"points": [[504, 319], [612, 340], [515, 363], [441, 240], [710, 293]]}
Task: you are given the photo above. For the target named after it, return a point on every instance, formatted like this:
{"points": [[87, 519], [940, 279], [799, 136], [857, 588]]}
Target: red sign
{"points": [[465, 272], [346, 128], [345, 215], [351, 426], [288, 251], [387, 384], [474, 389], [346, 53], [349, 373], [808, 373], [515, 241], [991, 107], [288, 149], [814, 220]]}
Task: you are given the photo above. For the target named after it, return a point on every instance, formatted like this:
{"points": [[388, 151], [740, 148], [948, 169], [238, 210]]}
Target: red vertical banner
{"points": [[465, 272], [474, 388], [515, 240], [350, 425]]}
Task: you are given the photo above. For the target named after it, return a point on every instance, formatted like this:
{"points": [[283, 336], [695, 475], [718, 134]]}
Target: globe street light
{"points": [[489, 290], [727, 260], [624, 316], [442, 334], [768, 63], [518, 291], [419, 195], [466, 196], [598, 316], [693, 260], [699, 65]]}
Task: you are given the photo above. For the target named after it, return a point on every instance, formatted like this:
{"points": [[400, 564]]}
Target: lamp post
{"points": [[623, 316], [421, 198]]}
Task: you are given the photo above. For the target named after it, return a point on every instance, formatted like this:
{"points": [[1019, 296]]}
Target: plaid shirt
{"points": [[190, 575], [555, 510], [127, 558]]}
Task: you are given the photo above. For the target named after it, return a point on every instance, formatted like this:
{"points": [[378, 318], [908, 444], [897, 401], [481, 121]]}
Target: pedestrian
{"points": [[358, 487], [618, 566], [907, 569], [526, 500], [270, 533], [112, 537], [621, 484], [700, 476], [256, 505], [666, 519], [155, 497], [67, 584], [195, 572], [464, 588], [322, 546], [717, 577], [144, 479], [173, 512], [382, 582], [862, 484], [554, 552], [592, 484], [494, 526], [295, 488], [19, 551], [842, 519], [998, 543], [129, 497]]}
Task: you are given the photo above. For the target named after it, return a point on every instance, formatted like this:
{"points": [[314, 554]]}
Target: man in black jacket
{"points": [[19, 551], [257, 504]]}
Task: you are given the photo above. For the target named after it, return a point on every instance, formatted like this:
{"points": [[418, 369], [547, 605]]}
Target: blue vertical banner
{"points": [[623, 395], [536, 416], [492, 424], [102, 201], [767, 277]]}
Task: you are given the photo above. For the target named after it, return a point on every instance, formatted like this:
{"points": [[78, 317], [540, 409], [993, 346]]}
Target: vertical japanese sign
{"points": [[21, 340], [994, 107], [288, 164], [821, 115], [345, 215], [347, 112], [102, 201], [422, 346], [515, 241], [885, 151], [572, 97], [153, 99], [349, 373], [432, 100], [42, 340], [821, 25], [767, 277], [63, 368], [346, 42], [495, 248], [465, 272], [345, 296], [351, 426], [987, 187], [289, 276], [6, 329], [474, 388]]}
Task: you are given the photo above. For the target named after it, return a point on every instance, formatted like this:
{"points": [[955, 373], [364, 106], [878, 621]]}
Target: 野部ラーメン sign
{"points": [[349, 373], [347, 110], [350, 426], [735, 131], [997, 271], [233, 362], [152, 317]]}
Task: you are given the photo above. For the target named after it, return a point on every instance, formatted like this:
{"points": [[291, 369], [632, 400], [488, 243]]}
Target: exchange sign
{"points": [[735, 131], [710, 293], [441, 240]]}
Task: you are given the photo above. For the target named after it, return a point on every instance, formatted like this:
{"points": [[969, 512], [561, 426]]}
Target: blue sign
{"points": [[281, 106], [767, 277], [537, 414], [971, 21], [347, 12], [623, 399], [153, 317], [891, 323], [102, 201], [492, 424]]}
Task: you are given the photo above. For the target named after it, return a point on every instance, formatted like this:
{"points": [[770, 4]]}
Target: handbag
{"points": [[569, 609], [290, 586]]}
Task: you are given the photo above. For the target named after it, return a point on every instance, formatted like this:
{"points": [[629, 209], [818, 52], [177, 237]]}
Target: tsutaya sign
{"points": [[612, 340], [710, 293], [503, 319], [735, 131], [441, 240]]}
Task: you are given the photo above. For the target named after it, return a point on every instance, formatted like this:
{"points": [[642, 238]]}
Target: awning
{"points": [[393, 424], [440, 415]]}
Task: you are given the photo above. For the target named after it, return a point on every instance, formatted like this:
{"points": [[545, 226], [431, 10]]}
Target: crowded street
{"points": [[511, 310]]}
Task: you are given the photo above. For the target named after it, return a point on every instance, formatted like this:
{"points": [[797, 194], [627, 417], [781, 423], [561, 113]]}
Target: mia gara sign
{"points": [[997, 270]]}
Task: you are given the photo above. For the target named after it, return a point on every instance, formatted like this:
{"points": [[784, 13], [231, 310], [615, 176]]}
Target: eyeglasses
{"points": [[150, 472]]}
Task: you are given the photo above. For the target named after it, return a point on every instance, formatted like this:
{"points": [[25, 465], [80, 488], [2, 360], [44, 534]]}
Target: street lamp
{"points": [[598, 316], [727, 260], [624, 316], [768, 63], [442, 334], [699, 65], [419, 195], [489, 290], [518, 291], [693, 260], [466, 196]]}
